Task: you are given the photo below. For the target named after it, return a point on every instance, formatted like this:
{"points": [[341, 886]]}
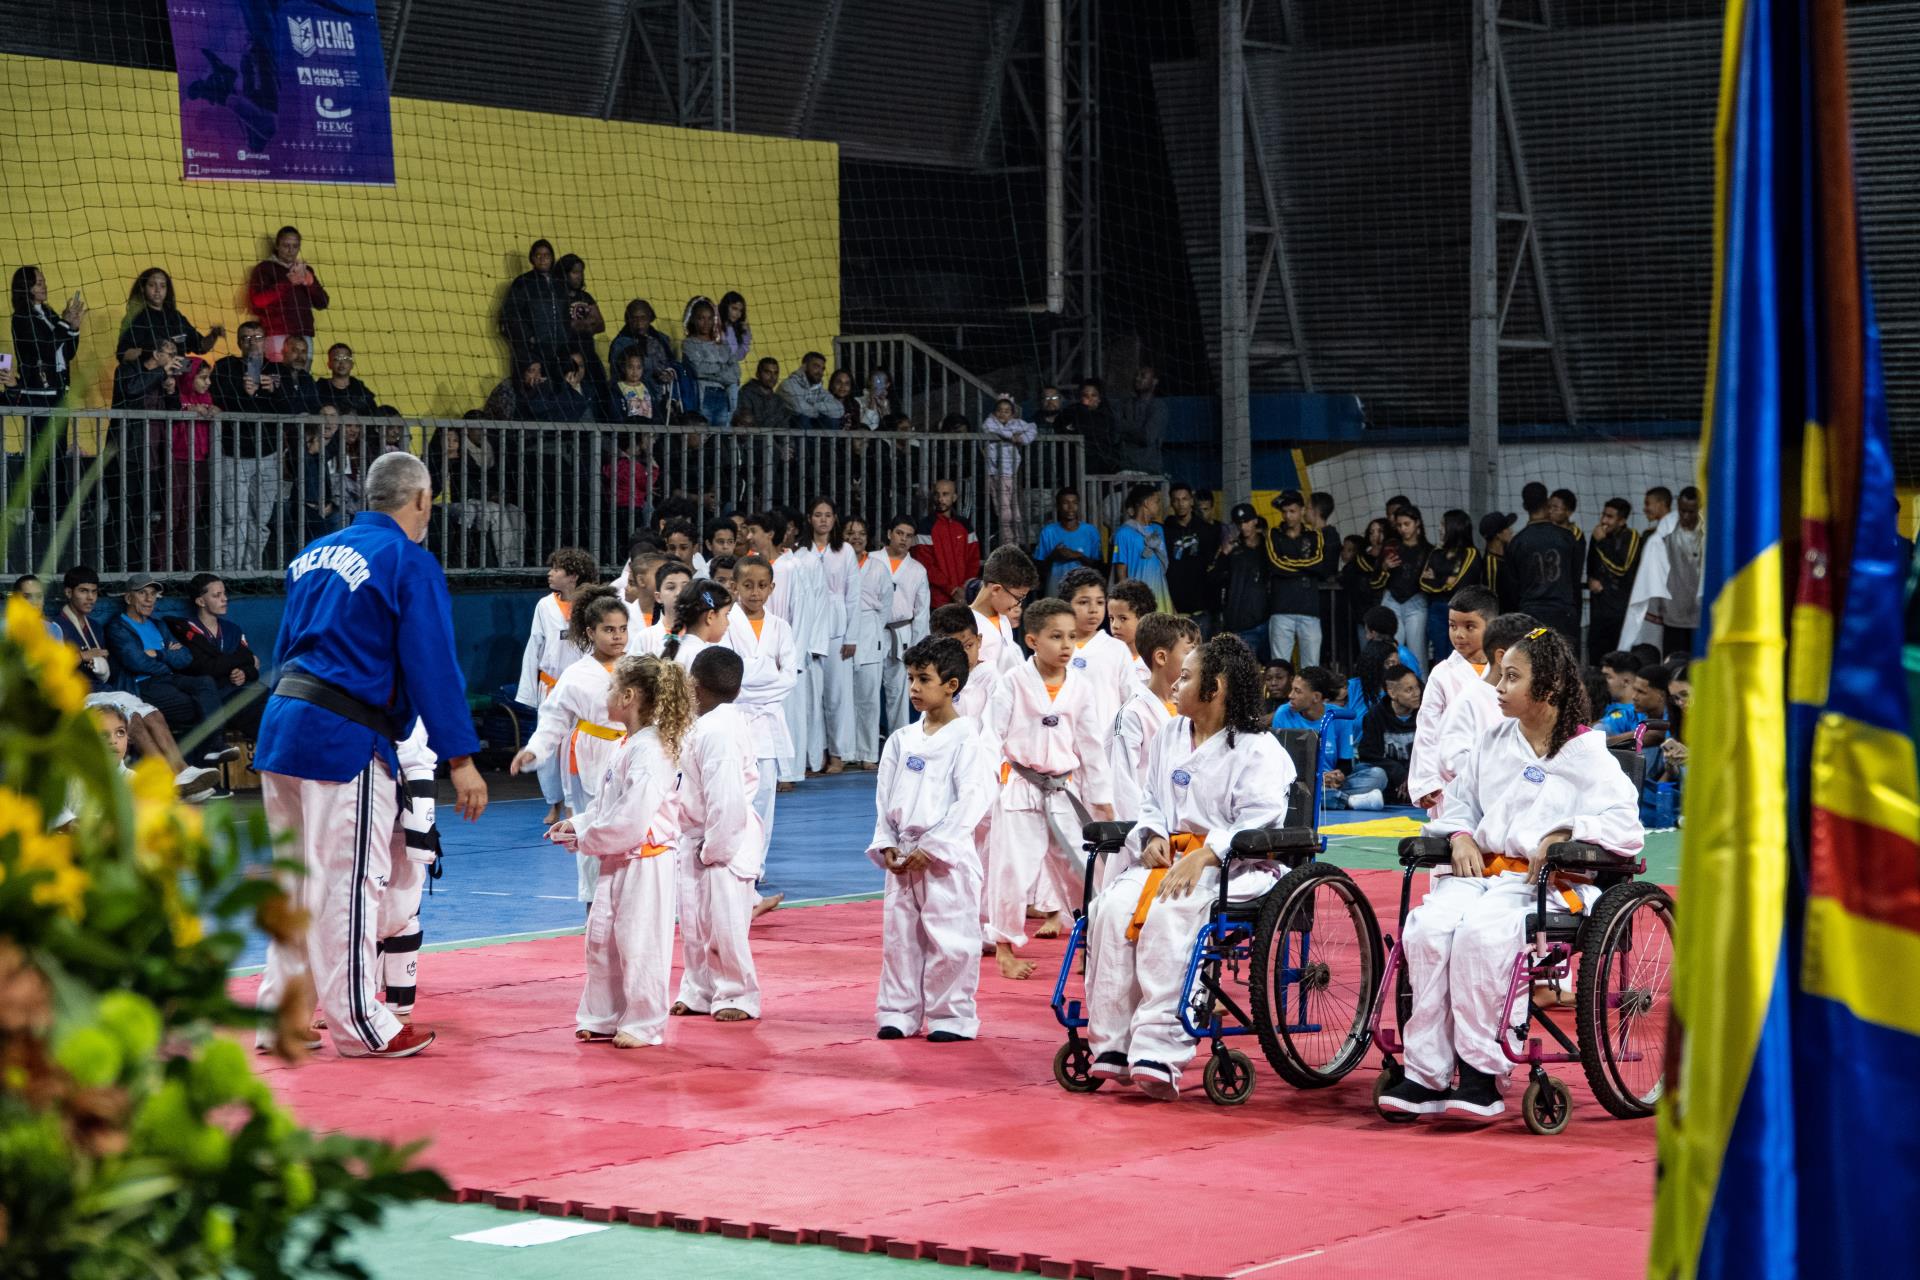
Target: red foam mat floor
{"points": [[803, 1128]]}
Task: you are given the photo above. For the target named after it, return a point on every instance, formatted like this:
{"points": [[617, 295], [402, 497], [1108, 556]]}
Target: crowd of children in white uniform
{"points": [[704, 692]]}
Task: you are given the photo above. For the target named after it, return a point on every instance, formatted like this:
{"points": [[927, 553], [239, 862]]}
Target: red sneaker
{"points": [[410, 1041]]}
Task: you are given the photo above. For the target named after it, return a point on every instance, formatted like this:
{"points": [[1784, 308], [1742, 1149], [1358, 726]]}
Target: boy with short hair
{"points": [[722, 847], [1310, 706], [1276, 684], [718, 541], [1475, 707], [1069, 542], [906, 620], [1042, 715], [1101, 658], [1006, 580], [1127, 603], [1618, 717], [1468, 615], [956, 622], [935, 785], [770, 668], [549, 652], [1165, 640], [1386, 731]]}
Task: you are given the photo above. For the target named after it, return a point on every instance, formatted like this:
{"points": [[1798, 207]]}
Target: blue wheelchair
{"points": [[1309, 948]]}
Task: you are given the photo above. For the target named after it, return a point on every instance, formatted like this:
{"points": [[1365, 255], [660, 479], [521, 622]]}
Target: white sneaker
{"points": [[1367, 800], [195, 778]]}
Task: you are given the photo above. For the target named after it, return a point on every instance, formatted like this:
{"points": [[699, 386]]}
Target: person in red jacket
{"points": [[284, 293], [945, 544]]}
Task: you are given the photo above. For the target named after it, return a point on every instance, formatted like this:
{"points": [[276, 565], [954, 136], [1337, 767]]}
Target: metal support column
{"points": [[706, 64], [399, 42], [1236, 433], [1079, 341], [1483, 309]]}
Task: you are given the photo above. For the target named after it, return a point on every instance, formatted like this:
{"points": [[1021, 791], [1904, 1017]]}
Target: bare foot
{"points": [[1050, 929], [1035, 913], [679, 1010], [782, 788], [554, 814], [585, 1036], [1011, 965], [834, 765], [625, 1041], [765, 905], [732, 1015]]}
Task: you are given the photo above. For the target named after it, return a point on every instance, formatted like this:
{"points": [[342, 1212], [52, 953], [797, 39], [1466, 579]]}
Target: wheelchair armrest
{"points": [[1425, 851], [1268, 841], [1578, 855], [1105, 834]]}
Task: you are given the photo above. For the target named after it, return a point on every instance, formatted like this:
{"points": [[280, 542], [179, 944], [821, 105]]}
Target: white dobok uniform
{"points": [[1423, 757], [721, 853], [1474, 711], [1034, 846], [548, 653], [907, 625], [933, 790], [866, 632], [573, 729], [972, 700], [799, 597], [1649, 584], [1138, 723], [830, 693], [1212, 793], [629, 829], [998, 649], [1109, 667], [771, 671], [1461, 942]]}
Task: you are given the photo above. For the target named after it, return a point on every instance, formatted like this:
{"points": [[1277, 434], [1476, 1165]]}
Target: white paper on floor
{"points": [[518, 1235]]}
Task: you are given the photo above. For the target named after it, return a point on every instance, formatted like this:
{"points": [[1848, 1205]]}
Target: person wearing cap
{"points": [[365, 647], [1243, 576], [154, 666], [219, 649], [1547, 567], [1300, 561]]}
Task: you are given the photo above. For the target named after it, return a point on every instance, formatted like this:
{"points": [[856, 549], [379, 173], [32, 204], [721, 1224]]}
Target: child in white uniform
{"points": [[1212, 773], [765, 645], [721, 847], [936, 782], [1165, 640], [1006, 579], [1104, 661], [1127, 603], [830, 697], [1475, 708], [866, 632], [907, 620], [549, 652], [957, 622], [701, 614], [1538, 778], [670, 578], [1468, 613], [1043, 720], [799, 597], [571, 721], [630, 829]]}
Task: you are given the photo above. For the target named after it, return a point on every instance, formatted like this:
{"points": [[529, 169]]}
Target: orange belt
{"points": [[1183, 843], [548, 680], [1502, 862]]}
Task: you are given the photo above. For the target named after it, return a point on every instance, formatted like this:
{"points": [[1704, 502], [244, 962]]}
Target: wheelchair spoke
{"points": [[1638, 984]]}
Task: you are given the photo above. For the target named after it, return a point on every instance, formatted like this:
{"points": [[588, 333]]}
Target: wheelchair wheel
{"points": [[1626, 978], [1390, 1075], [1547, 1106], [1228, 1078], [1316, 967], [1073, 1067]]}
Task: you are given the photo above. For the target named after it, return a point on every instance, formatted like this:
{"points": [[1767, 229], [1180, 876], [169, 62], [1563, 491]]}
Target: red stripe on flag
{"points": [[1868, 870]]}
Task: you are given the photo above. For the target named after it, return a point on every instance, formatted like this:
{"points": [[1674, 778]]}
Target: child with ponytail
{"points": [[701, 613], [630, 829]]}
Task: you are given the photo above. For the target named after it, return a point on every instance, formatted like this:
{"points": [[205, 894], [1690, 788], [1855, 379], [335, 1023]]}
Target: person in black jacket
{"points": [[536, 318], [1301, 560], [1546, 565], [1613, 560], [1242, 574], [219, 650], [45, 341], [153, 315], [1192, 540], [1386, 731], [348, 395], [248, 479]]}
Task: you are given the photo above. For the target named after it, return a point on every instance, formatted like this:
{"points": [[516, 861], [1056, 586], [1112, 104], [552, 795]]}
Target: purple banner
{"points": [[282, 91]]}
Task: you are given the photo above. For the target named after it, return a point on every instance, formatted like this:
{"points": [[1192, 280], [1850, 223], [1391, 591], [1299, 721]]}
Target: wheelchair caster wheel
{"points": [[1390, 1075], [1228, 1078], [1547, 1106], [1073, 1068]]}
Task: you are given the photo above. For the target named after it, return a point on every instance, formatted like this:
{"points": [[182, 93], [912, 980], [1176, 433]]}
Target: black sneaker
{"points": [[1155, 1079], [891, 1033], [1109, 1066], [945, 1037], [1412, 1098], [1477, 1094]]}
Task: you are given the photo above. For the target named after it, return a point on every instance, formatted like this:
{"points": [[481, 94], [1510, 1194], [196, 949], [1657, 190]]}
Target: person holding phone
{"points": [[152, 315], [248, 483], [45, 341], [284, 292]]}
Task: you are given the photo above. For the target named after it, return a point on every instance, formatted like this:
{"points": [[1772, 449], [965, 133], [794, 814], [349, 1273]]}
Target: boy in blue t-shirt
{"points": [[1344, 783], [1621, 717], [1068, 543]]}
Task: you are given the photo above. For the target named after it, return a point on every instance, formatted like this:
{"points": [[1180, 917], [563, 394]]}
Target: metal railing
{"points": [[926, 385], [175, 494]]}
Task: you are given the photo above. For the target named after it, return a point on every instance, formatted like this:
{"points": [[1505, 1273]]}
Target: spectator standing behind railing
{"points": [[535, 318], [192, 444], [45, 341], [1010, 434], [1091, 418], [153, 315], [218, 649], [840, 387], [1192, 540], [813, 405], [1140, 423], [319, 478], [1140, 545], [584, 323], [630, 400], [715, 370], [880, 399], [736, 335], [762, 400], [342, 390], [284, 293], [153, 666], [655, 348], [135, 452], [946, 545], [250, 484]]}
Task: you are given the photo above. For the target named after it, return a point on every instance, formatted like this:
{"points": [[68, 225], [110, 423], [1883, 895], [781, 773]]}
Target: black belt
{"points": [[302, 687]]}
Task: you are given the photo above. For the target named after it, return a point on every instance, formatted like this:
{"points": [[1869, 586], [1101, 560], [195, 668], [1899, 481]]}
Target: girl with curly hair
{"points": [[573, 721], [1213, 772], [629, 830], [1538, 777]]}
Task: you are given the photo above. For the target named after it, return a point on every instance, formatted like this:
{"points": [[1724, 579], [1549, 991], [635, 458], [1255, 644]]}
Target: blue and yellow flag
{"points": [[1790, 1136]]}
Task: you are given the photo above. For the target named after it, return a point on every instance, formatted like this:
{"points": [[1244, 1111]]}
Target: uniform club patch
{"points": [[1081, 663], [1181, 777], [1534, 773], [1050, 721], [916, 764]]}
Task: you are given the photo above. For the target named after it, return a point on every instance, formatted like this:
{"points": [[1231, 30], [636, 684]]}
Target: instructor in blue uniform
{"points": [[366, 645]]}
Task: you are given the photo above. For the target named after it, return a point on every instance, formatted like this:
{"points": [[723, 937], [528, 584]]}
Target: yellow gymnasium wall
{"points": [[92, 193]]}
